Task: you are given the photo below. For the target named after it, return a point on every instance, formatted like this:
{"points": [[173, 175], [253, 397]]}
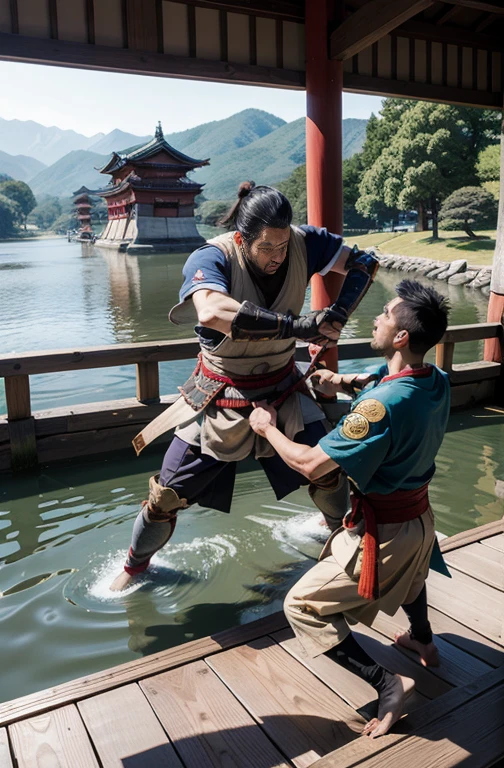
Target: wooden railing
{"points": [[27, 438]]}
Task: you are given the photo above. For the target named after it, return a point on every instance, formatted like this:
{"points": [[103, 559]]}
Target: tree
{"points": [[9, 212], [469, 208], [432, 153], [488, 169], [21, 194], [45, 213]]}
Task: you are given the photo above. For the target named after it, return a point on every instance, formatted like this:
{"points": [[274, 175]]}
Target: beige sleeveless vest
{"points": [[225, 433]]}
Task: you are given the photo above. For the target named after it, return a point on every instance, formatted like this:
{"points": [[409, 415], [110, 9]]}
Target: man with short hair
{"points": [[379, 559]]}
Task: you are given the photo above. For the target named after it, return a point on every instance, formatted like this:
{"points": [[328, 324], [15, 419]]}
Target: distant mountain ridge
{"points": [[46, 144], [250, 144], [20, 167]]}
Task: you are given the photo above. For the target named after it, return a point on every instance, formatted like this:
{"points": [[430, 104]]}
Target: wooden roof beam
{"points": [[447, 14], [479, 5], [485, 22], [371, 22]]}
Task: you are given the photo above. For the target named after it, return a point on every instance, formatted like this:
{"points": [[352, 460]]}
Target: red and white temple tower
{"points": [[83, 209], [150, 199]]}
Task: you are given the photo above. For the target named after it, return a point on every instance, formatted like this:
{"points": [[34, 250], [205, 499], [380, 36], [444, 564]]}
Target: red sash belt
{"points": [[376, 508], [255, 381]]}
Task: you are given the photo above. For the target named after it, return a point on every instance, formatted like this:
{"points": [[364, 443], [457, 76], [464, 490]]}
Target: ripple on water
{"points": [[303, 530], [178, 576]]}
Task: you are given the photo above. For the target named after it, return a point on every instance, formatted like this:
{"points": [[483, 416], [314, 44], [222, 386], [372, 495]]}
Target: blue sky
{"points": [[92, 102]]}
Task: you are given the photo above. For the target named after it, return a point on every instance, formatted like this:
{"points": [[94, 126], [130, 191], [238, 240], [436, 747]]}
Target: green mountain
{"points": [[20, 167], [220, 136], [251, 144], [76, 168], [270, 159]]}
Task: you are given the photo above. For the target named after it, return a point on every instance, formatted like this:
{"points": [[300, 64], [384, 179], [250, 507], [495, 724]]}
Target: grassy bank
{"points": [[450, 246]]}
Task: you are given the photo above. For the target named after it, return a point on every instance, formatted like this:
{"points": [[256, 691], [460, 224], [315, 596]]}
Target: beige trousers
{"points": [[325, 600]]}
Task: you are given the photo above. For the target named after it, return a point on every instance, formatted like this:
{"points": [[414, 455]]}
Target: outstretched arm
{"points": [[308, 461]]}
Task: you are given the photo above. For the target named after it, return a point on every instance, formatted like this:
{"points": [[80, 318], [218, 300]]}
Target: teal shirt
{"points": [[401, 434]]}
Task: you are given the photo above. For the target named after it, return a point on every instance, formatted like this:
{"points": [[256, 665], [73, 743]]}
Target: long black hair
{"points": [[257, 208]]}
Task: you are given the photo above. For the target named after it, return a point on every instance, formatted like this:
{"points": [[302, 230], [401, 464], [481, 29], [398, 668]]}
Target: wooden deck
{"points": [[243, 698]]}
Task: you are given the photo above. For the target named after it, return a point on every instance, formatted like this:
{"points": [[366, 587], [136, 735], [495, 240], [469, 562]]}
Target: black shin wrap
{"points": [[253, 323]]}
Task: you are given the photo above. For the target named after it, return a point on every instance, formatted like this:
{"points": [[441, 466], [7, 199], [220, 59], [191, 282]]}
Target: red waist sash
{"points": [[254, 381], [378, 509]]}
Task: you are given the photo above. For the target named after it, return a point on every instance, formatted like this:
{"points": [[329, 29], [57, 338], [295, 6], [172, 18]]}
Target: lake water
{"points": [[64, 529]]}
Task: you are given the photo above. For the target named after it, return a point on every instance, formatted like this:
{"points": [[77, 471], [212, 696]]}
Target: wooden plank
{"points": [[416, 90], [478, 371], [141, 18], [349, 686], [207, 725], [462, 36], [23, 446], [468, 601], [90, 21], [298, 712], [496, 542], [355, 752], [480, 533], [482, 563], [84, 56], [372, 21], [17, 396], [75, 444], [147, 382], [392, 659], [473, 736], [55, 738], [444, 355], [457, 667], [468, 395], [53, 361], [41, 701], [125, 730], [14, 17], [479, 5], [5, 756], [78, 418]]}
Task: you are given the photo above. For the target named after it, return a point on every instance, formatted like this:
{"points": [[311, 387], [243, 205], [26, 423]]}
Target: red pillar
{"points": [[324, 110]]}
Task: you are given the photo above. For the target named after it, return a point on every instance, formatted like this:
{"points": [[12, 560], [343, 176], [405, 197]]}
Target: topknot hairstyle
{"points": [[257, 208]]}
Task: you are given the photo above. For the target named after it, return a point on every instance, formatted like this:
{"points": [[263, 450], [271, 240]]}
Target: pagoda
{"points": [[150, 200], [83, 209]]}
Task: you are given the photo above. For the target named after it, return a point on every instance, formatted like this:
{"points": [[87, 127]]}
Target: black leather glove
{"points": [[306, 327]]}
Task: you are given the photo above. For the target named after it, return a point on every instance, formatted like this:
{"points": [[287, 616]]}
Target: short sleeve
{"points": [[359, 445], [323, 249], [206, 268]]}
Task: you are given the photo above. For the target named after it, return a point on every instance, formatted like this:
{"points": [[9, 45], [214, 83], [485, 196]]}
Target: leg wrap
{"points": [[154, 525], [163, 503]]}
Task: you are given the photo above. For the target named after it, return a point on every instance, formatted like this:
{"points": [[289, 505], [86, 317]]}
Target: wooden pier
{"points": [[29, 438], [245, 699]]}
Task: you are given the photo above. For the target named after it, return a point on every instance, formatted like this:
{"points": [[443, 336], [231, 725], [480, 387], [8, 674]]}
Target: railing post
{"points": [[147, 382], [444, 355], [23, 444]]}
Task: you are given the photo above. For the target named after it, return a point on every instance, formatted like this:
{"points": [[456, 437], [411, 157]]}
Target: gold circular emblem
{"points": [[372, 409], [355, 426]]}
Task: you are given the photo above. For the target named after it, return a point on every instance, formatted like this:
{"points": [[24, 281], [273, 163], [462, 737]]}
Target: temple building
{"points": [[83, 209], [150, 200]]}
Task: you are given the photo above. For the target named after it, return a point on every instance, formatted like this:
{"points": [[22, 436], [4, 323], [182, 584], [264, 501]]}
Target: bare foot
{"points": [[390, 706], [121, 582], [428, 653]]}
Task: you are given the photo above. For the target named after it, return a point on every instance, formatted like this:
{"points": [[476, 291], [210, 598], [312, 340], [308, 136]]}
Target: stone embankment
{"points": [[457, 272]]}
